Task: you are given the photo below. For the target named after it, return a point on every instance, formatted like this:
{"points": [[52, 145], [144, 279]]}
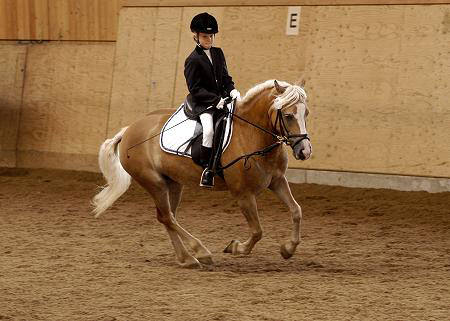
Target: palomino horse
{"points": [[271, 114]]}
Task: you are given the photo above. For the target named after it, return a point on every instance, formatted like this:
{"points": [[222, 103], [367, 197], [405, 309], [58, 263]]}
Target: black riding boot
{"points": [[207, 179]]}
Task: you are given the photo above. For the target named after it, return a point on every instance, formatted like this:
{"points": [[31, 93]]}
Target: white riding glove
{"points": [[235, 94], [220, 103]]}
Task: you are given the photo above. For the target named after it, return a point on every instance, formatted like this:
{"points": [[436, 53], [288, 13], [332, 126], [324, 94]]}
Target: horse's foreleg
{"points": [[281, 188], [249, 209]]}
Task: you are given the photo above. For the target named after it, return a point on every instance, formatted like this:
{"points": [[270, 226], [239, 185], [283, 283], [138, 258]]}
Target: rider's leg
{"points": [[208, 135], [208, 129], [207, 178]]}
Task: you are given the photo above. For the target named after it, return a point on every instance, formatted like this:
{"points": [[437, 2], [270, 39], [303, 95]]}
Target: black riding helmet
{"points": [[204, 22]]}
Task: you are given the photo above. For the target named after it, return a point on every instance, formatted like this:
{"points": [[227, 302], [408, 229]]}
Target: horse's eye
{"points": [[289, 116]]}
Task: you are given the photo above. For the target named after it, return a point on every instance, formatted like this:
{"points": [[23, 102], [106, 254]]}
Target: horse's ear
{"points": [[303, 83], [279, 88]]}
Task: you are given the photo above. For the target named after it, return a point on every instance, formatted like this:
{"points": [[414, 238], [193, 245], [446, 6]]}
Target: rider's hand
{"points": [[235, 94], [220, 103]]}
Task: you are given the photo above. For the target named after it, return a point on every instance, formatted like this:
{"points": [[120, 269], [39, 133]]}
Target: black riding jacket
{"points": [[207, 83]]}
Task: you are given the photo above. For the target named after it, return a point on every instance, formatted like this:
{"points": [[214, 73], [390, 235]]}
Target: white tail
{"points": [[117, 179]]}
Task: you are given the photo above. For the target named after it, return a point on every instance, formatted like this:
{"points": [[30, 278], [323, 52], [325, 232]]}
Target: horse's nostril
{"points": [[298, 154]]}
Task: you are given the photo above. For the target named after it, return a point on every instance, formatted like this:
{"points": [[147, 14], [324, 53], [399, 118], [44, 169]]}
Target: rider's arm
{"points": [[227, 80]]}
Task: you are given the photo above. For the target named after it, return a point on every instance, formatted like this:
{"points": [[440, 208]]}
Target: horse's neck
{"points": [[257, 108], [256, 112]]}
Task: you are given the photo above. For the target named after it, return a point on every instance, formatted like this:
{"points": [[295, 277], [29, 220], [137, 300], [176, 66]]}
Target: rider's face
{"points": [[205, 39]]}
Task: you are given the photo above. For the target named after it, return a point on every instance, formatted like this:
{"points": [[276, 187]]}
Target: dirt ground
{"points": [[365, 255]]}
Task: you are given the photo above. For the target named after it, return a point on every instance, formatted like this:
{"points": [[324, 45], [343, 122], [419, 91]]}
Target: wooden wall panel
{"points": [[378, 83], [132, 68], [12, 65], [77, 20], [8, 19], [148, 62], [32, 19], [165, 61], [65, 104], [24, 19], [256, 56], [83, 20]]}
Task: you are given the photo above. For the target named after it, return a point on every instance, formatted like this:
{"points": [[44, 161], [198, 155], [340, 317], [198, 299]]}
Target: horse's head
{"points": [[288, 116]]}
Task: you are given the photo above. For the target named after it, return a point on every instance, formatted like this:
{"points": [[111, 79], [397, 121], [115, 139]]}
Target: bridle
{"points": [[284, 131], [284, 138]]}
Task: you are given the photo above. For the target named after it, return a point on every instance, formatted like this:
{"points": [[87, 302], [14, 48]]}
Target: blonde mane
{"points": [[290, 96], [257, 89]]}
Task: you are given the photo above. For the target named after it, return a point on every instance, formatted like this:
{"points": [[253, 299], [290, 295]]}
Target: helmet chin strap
{"points": [[199, 45], [196, 37]]}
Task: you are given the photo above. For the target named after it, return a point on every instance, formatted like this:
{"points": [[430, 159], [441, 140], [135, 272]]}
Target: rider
{"points": [[208, 81]]}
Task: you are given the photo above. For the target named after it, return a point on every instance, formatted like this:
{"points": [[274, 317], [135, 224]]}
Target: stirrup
{"points": [[207, 178]]}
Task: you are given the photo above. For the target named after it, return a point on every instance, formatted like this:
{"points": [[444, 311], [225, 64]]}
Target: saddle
{"points": [[182, 134], [188, 107]]}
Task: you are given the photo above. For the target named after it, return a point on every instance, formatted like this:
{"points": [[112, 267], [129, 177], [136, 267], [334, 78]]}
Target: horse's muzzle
{"points": [[301, 148]]}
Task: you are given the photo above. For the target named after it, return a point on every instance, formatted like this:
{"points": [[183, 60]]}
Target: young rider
{"points": [[208, 82]]}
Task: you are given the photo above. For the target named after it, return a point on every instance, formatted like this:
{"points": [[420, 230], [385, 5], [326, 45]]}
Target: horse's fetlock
{"points": [[297, 216], [162, 219], [257, 235], [165, 219]]}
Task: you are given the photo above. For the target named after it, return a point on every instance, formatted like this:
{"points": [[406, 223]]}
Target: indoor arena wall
{"points": [[377, 77]]}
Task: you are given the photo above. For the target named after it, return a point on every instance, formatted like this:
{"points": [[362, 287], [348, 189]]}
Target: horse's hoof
{"points": [[191, 263], [207, 260], [230, 247], [285, 253]]}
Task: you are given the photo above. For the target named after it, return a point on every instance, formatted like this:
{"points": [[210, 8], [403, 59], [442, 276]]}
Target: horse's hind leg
{"points": [[184, 258], [201, 252], [281, 188], [159, 189], [175, 191], [250, 211], [166, 195]]}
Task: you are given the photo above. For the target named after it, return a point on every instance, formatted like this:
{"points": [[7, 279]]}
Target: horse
{"points": [[271, 115]]}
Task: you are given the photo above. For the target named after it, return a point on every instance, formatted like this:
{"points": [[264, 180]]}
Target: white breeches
{"points": [[208, 129]]}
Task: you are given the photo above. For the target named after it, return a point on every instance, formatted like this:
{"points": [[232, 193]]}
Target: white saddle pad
{"points": [[178, 131]]}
